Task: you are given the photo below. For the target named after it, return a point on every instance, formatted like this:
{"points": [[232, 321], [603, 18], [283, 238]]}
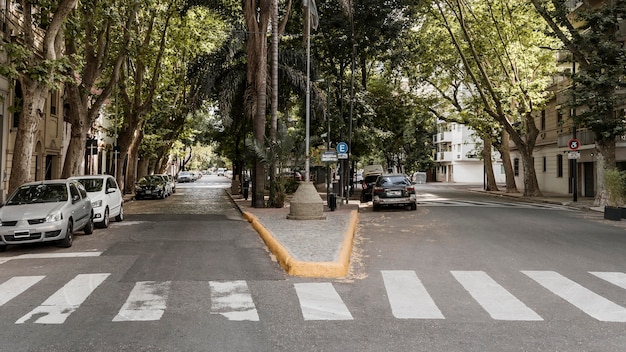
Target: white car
{"points": [[106, 198], [45, 211]]}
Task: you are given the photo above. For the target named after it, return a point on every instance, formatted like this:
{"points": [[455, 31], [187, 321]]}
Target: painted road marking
{"points": [[15, 286], [320, 301], [147, 301], [582, 298], [617, 279], [232, 299], [495, 299], [51, 256], [66, 300], [408, 296]]}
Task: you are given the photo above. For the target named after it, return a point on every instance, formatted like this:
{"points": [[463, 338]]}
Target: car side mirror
{"points": [[110, 190], [75, 198]]}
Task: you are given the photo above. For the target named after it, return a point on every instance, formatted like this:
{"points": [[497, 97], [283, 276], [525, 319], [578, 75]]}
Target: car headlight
{"points": [[53, 217], [96, 204]]}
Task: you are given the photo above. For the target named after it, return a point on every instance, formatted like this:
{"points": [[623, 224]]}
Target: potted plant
{"points": [[614, 187]]}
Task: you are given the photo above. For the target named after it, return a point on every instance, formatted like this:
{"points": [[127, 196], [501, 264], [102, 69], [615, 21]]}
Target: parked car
{"points": [[169, 185], [369, 176], [106, 198], [153, 186], [45, 211], [393, 189], [185, 176], [172, 182], [221, 171]]}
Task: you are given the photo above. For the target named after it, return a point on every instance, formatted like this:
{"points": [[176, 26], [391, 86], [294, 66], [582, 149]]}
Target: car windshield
{"points": [[44, 193], [152, 178], [92, 184], [387, 181]]}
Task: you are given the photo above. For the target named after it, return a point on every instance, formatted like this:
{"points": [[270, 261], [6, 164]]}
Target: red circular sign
{"points": [[573, 144]]}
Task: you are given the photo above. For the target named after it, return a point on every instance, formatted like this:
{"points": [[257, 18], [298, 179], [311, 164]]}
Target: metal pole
{"points": [[308, 92], [574, 161], [328, 144]]}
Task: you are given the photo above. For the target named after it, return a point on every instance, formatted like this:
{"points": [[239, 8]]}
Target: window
{"points": [[54, 100], [544, 164], [543, 120], [559, 165], [516, 166], [559, 117]]}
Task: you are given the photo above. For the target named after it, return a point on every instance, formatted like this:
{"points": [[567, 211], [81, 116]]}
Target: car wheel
{"points": [[120, 216], [105, 219], [3, 247], [413, 206], [163, 194], [69, 235], [376, 207], [88, 229]]}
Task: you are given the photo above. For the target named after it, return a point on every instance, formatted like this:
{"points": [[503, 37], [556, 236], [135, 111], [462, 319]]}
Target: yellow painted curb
{"points": [[295, 267]]}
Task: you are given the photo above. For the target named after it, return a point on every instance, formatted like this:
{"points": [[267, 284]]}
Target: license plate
{"points": [[21, 234], [148, 192], [394, 193]]}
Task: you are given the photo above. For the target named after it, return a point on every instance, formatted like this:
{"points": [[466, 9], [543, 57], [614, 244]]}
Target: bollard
{"points": [[246, 186], [332, 201]]}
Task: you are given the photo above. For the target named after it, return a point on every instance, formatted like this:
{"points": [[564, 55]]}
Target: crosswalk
{"points": [[406, 297], [430, 200]]}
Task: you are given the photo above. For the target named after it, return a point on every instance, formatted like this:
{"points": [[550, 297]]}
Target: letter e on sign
{"points": [[573, 144]]}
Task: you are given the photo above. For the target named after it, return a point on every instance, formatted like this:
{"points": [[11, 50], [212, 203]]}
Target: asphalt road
{"points": [[464, 272]]}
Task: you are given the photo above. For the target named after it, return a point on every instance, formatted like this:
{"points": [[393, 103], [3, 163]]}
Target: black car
{"points": [[393, 190], [153, 186]]}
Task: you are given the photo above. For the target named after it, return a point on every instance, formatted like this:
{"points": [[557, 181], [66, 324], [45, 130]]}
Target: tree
{"points": [[95, 41], [510, 82], [38, 62], [590, 34], [138, 83]]}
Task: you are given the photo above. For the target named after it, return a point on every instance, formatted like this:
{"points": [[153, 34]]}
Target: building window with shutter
{"points": [[559, 165]]}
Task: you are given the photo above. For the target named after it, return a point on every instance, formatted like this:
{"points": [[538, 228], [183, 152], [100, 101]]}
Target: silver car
{"points": [[45, 211]]}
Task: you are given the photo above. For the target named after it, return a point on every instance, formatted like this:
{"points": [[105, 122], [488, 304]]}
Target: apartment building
{"points": [[52, 136], [457, 155]]}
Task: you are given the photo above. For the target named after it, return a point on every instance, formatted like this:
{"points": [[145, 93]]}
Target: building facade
{"points": [[457, 155]]}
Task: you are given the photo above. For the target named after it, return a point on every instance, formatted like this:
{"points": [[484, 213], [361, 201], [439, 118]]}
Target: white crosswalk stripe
{"points": [[617, 279], [320, 301], [233, 300], [579, 296], [408, 296], [66, 300], [147, 301], [495, 299], [15, 286]]}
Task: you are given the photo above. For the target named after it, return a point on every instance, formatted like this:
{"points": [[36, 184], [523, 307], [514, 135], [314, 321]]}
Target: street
{"points": [[464, 272]]}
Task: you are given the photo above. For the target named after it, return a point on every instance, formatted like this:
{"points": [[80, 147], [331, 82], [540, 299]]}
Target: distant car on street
{"points": [[369, 175], [45, 211], [185, 176], [152, 186], [393, 190], [221, 171], [106, 198]]}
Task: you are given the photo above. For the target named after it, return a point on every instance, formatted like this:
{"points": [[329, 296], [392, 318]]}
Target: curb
{"points": [[296, 267]]}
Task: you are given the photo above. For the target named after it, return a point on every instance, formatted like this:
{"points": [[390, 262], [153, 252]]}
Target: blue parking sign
{"points": [[342, 147]]}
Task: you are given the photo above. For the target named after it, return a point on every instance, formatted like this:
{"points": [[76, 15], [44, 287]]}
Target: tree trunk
{"points": [[488, 165], [605, 159], [34, 99], [80, 123], [505, 154]]}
